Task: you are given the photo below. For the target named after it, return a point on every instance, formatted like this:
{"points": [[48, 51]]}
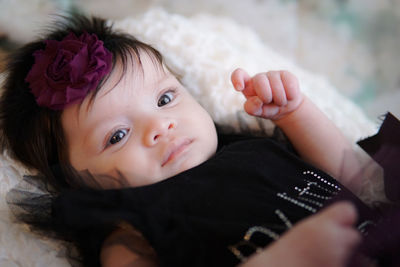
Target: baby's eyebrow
{"points": [[165, 77]]}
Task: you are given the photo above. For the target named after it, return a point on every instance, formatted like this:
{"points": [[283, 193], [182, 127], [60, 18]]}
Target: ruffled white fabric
{"points": [[203, 50]]}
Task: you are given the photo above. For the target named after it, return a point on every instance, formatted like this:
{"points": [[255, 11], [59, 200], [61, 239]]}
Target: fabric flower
{"points": [[66, 71]]}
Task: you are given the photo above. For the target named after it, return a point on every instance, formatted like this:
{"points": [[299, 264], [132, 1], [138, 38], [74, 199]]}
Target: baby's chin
{"points": [[189, 164]]}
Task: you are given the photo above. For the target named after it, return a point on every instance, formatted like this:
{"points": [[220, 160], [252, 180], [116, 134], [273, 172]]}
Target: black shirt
{"points": [[216, 214]]}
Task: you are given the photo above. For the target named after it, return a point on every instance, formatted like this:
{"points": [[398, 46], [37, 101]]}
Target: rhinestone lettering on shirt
{"points": [[310, 197]]}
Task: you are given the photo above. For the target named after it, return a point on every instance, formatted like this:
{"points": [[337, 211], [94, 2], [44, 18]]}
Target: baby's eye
{"points": [[117, 136], [165, 99]]}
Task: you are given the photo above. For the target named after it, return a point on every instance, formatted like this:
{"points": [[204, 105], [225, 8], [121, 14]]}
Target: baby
{"points": [[101, 110]]}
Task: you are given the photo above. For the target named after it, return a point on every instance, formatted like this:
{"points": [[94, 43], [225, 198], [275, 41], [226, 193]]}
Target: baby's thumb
{"points": [[343, 213]]}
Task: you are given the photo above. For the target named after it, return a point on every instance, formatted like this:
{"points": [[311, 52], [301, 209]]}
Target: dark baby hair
{"points": [[34, 135]]}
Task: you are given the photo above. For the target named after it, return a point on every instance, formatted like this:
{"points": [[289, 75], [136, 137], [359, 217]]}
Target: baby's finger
{"points": [[291, 85], [351, 236], [343, 213], [262, 88], [253, 106], [278, 91], [270, 111], [239, 79]]}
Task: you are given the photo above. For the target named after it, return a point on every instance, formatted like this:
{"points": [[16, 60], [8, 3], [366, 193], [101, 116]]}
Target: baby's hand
{"points": [[270, 95], [326, 239]]}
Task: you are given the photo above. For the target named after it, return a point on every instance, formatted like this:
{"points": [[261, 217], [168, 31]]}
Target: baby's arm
{"points": [[127, 247], [276, 95], [325, 239]]}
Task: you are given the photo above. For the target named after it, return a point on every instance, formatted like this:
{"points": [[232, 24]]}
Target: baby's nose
{"points": [[157, 130]]}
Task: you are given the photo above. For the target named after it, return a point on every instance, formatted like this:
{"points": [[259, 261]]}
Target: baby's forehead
{"points": [[134, 67], [145, 59], [143, 65], [132, 74]]}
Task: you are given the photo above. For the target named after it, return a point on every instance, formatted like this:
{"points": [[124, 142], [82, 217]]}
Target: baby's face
{"points": [[147, 128]]}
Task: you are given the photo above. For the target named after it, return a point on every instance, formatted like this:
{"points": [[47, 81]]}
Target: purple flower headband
{"points": [[66, 71]]}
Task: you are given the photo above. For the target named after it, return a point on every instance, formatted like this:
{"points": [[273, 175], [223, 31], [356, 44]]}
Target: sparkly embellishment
{"points": [[321, 179], [310, 197], [303, 191], [284, 219], [296, 202], [316, 203], [236, 251], [246, 242], [260, 229], [321, 187], [312, 189], [364, 225], [317, 196]]}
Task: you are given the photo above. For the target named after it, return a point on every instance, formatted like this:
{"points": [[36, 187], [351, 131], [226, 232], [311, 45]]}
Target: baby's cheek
{"points": [[142, 180]]}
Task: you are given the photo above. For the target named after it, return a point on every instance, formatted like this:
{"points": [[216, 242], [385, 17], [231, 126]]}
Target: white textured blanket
{"points": [[203, 50]]}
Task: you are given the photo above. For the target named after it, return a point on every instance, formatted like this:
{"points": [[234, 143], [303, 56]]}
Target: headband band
{"points": [[67, 70]]}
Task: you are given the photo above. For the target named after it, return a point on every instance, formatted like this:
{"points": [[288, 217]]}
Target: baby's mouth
{"points": [[175, 149]]}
